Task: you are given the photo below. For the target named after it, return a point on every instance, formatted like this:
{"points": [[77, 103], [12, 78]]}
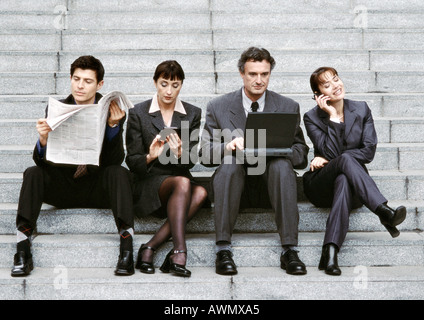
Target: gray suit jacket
{"points": [[226, 120], [356, 136]]}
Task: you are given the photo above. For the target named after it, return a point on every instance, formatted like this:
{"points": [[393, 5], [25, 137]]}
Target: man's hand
{"points": [[115, 114], [236, 143], [43, 130]]}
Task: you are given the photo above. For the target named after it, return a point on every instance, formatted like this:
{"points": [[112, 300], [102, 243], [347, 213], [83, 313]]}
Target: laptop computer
{"points": [[277, 128]]}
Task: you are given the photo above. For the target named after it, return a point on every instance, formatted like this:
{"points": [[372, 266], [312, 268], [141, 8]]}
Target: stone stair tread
{"points": [[251, 283]]}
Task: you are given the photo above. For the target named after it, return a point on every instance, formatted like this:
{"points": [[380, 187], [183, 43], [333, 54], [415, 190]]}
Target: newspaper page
{"points": [[78, 130]]}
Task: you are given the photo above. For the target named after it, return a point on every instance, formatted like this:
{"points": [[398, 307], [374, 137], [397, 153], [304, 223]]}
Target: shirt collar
{"points": [[154, 107], [247, 102]]}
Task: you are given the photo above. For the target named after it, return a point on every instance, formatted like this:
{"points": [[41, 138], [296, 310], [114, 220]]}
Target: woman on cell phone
{"points": [[344, 140], [164, 186]]}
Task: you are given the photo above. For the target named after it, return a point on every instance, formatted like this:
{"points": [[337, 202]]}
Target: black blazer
{"points": [[227, 112], [143, 127], [356, 136], [112, 151]]}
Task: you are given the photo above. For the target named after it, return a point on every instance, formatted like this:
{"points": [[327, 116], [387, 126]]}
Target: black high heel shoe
{"points": [[145, 267], [328, 260], [177, 269], [390, 218]]}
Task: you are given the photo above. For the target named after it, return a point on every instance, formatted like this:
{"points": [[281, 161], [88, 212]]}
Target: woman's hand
{"points": [[318, 163], [322, 103], [43, 130], [155, 149], [175, 144]]}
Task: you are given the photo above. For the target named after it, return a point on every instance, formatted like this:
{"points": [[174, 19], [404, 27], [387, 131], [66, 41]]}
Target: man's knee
{"points": [[230, 167], [34, 172], [280, 165]]}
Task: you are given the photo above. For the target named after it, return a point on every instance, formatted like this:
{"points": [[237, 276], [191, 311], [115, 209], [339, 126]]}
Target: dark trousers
{"points": [[229, 182], [109, 187], [342, 184]]}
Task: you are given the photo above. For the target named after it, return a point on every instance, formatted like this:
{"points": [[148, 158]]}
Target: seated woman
{"points": [[164, 185], [344, 139]]}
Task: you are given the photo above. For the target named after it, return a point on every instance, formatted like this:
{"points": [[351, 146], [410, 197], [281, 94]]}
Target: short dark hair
{"points": [[169, 69], [255, 54], [91, 63], [315, 78]]}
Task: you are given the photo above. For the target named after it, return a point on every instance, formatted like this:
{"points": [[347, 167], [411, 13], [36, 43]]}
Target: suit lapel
{"points": [[270, 105], [349, 116], [177, 118], [324, 119], [157, 121], [237, 113]]}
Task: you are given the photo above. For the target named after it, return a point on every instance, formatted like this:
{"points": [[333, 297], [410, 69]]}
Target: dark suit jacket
{"points": [[355, 136], [227, 112], [143, 127], [112, 151]]}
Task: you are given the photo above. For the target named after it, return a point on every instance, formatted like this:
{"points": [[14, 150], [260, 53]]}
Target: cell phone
{"points": [[167, 131], [316, 94]]}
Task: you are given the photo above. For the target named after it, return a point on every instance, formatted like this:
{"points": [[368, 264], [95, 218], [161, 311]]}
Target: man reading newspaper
{"points": [[106, 185]]}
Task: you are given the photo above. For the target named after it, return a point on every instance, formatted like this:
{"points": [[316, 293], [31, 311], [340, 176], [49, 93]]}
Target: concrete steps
{"points": [[389, 156], [251, 283], [250, 250], [250, 220], [377, 49], [394, 184]]}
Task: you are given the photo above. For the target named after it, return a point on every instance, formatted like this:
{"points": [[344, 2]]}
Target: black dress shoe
{"points": [[145, 267], [390, 218], [22, 264], [177, 269], [224, 264], [328, 260], [292, 264], [125, 266]]}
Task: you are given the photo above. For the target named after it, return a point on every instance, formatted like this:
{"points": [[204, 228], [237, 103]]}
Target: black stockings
{"points": [[182, 200]]}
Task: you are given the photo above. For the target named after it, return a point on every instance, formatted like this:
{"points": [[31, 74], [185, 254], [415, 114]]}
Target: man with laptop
{"points": [[270, 179]]}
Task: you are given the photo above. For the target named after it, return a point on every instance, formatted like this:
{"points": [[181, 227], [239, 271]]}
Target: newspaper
{"points": [[78, 130]]}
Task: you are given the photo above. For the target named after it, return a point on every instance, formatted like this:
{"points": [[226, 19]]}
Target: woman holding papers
{"points": [[161, 133], [344, 139]]}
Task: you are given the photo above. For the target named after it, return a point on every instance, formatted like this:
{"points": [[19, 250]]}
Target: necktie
{"points": [[81, 171], [254, 106]]}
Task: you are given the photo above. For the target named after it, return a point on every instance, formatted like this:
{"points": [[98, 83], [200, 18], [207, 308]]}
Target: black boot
{"points": [[328, 260], [390, 218], [125, 266]]}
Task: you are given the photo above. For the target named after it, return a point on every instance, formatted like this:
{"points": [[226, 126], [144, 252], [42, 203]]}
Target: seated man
{"points": [[222, 138], [69, 186]]}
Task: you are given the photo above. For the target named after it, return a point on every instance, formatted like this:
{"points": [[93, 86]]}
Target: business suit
{"points": [[343, 183], [227, 113], [105, 186], [142, 128]]}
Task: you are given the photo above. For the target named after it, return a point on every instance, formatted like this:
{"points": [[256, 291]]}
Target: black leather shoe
{"points": [[292, 264], [22, 264], [177, 269], [224, 264], [125, 266], [328, 260], [145, 267], [390, 218]]}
